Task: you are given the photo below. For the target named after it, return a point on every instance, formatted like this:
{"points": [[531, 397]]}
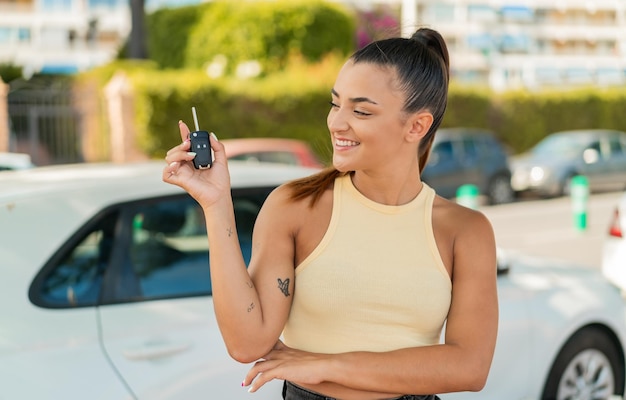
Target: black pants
{"points": [[294, 392]]}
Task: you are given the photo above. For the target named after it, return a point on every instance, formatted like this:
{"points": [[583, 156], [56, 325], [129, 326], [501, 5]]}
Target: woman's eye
{"points": [[362, 113], [333, 104]]}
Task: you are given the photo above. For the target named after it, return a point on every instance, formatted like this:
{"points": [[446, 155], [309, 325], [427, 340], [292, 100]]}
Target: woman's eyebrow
{"points": [[355, 99]]}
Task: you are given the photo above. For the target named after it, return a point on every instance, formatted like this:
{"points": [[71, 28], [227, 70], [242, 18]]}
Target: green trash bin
{"points": [[467, 195], [579, 193]]}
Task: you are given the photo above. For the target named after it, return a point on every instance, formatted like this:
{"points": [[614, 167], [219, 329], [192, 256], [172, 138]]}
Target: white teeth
{"points": [[346, 143]]}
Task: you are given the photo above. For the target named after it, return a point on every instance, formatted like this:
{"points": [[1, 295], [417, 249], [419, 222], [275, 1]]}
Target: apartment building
{"points": [[532, 43], [61, 36], [503, 43]]}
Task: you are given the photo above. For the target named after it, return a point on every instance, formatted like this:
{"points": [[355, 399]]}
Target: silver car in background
{"points": [[548, 168]]}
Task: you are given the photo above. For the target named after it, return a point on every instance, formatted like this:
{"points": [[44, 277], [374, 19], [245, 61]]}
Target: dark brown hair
{"points": [[422, 66]]}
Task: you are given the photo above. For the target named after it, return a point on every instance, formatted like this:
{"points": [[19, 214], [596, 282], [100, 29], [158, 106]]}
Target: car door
{"points": [[473, 171], [614, 153], [510, 374], [60, 354], [156, 318]]}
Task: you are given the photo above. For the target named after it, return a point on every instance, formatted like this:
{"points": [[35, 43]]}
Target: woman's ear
{"points": [[420, 124]]}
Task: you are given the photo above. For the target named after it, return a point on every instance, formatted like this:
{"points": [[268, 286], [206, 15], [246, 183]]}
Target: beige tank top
{"points": [[376, 281]]}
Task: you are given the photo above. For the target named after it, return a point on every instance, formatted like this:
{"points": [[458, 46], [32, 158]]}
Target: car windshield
{"points": [[565, 145]]}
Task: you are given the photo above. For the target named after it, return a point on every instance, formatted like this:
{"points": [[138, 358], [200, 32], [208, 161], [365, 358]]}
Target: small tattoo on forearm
{"points": [[284, 286], [229, 231], [251, 307]]}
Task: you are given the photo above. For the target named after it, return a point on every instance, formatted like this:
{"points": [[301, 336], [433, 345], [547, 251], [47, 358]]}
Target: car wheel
{"points": [[587, 367], [499, 190], [566, 185]]}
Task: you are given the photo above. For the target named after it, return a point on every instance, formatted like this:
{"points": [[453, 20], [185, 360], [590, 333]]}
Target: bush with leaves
{"points": [[9, 72], [270, 33], [168, 33]]}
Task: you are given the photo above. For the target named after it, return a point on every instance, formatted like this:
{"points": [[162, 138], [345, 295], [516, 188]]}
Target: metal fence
{"points": [[44, 121]]}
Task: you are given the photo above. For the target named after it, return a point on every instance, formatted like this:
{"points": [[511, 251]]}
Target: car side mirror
{"points": [[591, 156]]}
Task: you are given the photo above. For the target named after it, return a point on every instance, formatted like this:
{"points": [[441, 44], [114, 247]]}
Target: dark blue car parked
{"points": [[469, 156]]}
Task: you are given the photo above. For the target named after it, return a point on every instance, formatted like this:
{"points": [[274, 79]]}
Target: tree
{"points": [[137, 44]]}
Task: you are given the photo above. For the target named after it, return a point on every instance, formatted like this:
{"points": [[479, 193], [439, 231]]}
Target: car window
{"points": [[139, 251], [561, 144], [76, 278], [615, 148], [470, 148], [168, 249]]}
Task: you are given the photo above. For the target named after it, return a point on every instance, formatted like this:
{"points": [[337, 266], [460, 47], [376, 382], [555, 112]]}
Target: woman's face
{"points": [[366, 121]]}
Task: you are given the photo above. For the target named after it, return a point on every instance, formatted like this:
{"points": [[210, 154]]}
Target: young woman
{"points": [[358, 267]]}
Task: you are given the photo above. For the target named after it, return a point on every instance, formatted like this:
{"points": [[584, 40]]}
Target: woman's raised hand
{"points": [[207, 186]]}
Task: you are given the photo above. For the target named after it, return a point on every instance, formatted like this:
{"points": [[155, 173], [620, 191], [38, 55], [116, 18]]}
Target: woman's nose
{"points": [[337, 121]]}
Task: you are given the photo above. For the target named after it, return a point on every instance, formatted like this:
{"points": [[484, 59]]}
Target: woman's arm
{"points": [[251, 305]]}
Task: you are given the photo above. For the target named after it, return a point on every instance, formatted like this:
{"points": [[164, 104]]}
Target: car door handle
{"points": [[153, 350]]}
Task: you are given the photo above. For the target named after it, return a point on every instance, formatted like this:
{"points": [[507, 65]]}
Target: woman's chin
{"points": [[341, 166]]}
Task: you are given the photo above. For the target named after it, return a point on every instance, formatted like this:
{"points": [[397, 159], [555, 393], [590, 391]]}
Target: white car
{"points": [[11, 161], [107, 295], [614, 251]]}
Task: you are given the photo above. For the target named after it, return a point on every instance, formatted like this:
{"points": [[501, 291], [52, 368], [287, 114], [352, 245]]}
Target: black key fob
{"points": [[201, 145]]}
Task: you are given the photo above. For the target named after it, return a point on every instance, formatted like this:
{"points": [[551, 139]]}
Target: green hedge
{"points": [[168, 33], [294, 103], [270, 33], [287, 104]]}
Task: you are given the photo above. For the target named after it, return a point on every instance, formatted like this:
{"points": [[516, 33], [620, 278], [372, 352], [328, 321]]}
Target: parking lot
{"points": [[545, 227]]}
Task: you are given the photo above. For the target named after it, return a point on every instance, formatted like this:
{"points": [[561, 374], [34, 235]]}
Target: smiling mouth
{"points": [[346, 143]]}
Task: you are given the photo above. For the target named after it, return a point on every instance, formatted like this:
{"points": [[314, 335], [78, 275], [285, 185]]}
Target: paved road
{"points": [[546, 227]]}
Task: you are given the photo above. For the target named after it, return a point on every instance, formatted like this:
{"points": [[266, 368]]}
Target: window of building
{"points": [[56, 5], [105, 4], [23, 34], [609, 76], [438, 12], [5, 35], [548, 75], [513, 13], [14, 35], [578, 75], [482, 42], [514, 43], [482, 13]]}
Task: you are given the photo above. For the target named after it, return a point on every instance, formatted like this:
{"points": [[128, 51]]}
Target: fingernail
{"points": [[180, 121], [214, 137], [250, 389], [191, 153], [173, 163], [242, 384]]}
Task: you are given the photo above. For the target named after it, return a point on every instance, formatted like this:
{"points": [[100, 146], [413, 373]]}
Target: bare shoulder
{"points": [[303, 223], [281, 209], [295, 213], [461, 234], [458, 219]]}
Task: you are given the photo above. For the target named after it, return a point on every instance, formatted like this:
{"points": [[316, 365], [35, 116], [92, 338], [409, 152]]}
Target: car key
{"points": [[201, 145]]}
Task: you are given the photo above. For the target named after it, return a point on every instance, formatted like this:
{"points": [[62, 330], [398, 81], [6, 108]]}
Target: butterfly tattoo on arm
{"points": [[284, 286]]}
